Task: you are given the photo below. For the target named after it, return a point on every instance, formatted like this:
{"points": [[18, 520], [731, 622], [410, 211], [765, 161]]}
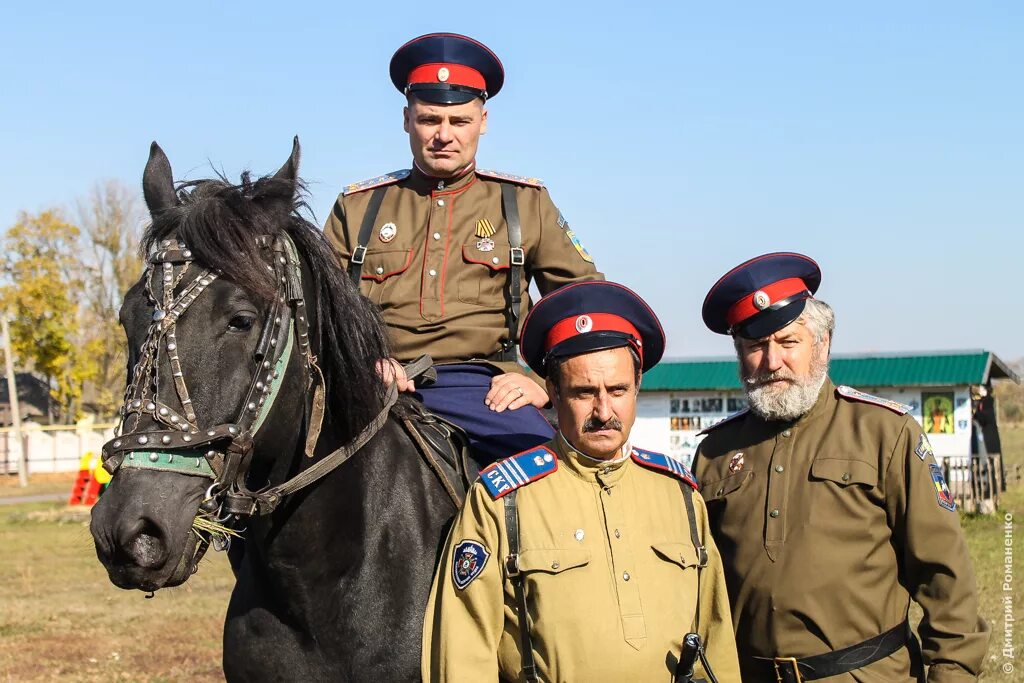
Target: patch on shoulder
{"points": [[509, 178], [660, 461], [923, 448], [855, 395], [370, 183], [468, 562], [518, 470], [729, 418], [941, 490]]}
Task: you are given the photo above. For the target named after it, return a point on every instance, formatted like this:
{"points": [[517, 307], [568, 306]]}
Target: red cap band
{"points": [[755, 302], [567, 328], [453, 74]]}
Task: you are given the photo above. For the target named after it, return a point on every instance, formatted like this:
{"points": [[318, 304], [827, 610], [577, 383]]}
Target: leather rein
{"points": [[223, 452]]}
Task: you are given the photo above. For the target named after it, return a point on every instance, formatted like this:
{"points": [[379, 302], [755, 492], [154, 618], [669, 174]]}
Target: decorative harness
{"points": [[223, 452]]}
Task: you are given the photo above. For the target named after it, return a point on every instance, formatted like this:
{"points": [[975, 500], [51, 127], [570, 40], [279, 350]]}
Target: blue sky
{"points": [[884, 139]]}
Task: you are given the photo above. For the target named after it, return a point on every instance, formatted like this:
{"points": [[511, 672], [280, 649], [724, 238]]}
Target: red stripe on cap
{"points": [[458, 74], [776, 291], [567, 328]]}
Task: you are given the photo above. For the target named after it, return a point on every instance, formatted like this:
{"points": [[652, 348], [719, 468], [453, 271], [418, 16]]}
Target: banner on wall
{"points": [[937, 413]]}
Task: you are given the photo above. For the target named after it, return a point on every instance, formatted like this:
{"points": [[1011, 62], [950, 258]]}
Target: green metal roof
{"points": [[861, 370]]}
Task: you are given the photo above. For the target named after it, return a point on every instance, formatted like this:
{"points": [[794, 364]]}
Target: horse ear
{"points": [[290, 170], [157, 182]]}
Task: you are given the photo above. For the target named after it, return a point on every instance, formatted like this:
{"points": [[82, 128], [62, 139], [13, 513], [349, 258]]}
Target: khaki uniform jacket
{"points": [[832, 524], [610, 575], [440, 292]]}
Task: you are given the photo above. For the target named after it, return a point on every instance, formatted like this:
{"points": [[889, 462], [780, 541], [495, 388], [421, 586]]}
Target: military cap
{"points": [[761, 296], [590, 316], [446, 68]]}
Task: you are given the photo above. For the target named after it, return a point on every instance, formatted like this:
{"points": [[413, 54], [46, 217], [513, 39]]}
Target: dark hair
{"points": [[553, 366]]}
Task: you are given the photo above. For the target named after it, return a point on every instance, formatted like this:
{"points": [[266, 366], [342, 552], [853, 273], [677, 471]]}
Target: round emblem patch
{"points": [[388, 232], [584, 324], [761, 300], [485, 244], [442, 74]]}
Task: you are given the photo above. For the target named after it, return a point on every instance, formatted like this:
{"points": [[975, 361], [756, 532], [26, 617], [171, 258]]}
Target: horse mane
{"points": [[219, 222]]}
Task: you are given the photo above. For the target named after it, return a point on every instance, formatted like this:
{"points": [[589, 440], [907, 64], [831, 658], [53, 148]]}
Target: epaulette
{"points": [[659, 461], [508, 177], [518, 470], [718, 424], [386, 179], [854, 395]]}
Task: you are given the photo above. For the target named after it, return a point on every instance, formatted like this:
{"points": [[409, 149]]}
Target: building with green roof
{"points": [[680, 397]]}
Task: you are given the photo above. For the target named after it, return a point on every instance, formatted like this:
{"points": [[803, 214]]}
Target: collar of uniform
{"points": [[438, 186], [600, 472]]}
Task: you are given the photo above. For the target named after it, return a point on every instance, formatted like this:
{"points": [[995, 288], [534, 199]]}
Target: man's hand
{"points": [[391, 371], [513, 391]]}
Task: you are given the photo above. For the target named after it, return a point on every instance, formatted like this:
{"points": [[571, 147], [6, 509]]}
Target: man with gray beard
{"points": [[827, 505]]}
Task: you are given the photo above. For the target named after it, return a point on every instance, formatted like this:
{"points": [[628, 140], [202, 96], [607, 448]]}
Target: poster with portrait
{"points": [[937, 413]]}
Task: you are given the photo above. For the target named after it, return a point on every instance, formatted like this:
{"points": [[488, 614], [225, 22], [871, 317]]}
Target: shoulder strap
{"points": [[355, 264], [516, 261], [702, 553], [516, 578]]}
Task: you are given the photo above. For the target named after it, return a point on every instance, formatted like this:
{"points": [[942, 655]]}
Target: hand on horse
{"points": [[512, 391], [391, 371]]}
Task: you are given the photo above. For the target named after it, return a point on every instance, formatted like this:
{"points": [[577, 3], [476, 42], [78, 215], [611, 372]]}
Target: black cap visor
{"points": [[771, 320], [587, 343], [442, 93]]}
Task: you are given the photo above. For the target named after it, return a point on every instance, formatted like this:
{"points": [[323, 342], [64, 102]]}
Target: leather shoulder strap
{"points": [[355, 264]]}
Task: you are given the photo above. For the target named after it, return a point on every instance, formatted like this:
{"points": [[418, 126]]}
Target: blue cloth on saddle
{"points": [[458, 396]]}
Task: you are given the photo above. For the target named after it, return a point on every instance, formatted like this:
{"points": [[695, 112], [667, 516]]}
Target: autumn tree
{"points": [[41, 277]]}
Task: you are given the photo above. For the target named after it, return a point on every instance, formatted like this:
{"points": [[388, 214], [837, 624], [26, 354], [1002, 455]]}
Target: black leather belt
{"points": [[794, 670]]}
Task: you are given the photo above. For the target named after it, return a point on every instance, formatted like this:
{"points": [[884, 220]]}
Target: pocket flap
{"points": [[553, 561], [723, 487], [844, 471], [683, 554], [380, 264], [497, 259]]}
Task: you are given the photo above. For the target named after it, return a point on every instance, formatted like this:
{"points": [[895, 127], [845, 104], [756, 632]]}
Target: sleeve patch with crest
{"points": [[941, 490], [518, 470], [924, 448], [468, 562], [660, 461]]}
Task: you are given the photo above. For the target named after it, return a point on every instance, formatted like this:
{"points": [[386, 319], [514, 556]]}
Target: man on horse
{"points": [[448, 250], [585, 558]]}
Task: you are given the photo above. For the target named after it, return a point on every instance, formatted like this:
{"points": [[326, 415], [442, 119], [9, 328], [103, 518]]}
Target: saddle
{"points": [[443, 445]]}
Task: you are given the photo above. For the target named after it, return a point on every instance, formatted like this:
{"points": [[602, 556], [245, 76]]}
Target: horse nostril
{"points": [[146, 547]]}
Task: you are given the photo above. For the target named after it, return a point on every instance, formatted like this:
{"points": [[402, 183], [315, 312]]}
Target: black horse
{"points": [[228, 369]]}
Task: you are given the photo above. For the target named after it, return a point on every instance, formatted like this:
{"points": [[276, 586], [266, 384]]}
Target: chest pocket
{"points": [[380, 268], [552, 561], [717, 490], [845, 472], [682, 554], [484, 273]]}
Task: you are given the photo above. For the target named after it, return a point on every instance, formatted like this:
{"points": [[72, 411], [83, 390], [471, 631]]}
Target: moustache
{"points": [[767, 377], [592, 425]]}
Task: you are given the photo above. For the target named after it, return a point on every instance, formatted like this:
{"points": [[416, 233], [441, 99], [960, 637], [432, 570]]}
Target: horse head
{"points": [[224, 376]]}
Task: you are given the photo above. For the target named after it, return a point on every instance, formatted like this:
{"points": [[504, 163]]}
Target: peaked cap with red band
{"points": [[761, 296], [590, 316], [446, 68]]}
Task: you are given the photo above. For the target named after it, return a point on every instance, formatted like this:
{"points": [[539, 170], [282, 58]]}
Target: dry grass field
{"points": [[60, 619]]}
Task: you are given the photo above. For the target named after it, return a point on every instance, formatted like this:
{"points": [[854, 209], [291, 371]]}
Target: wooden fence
{"points": [[976, 482]]}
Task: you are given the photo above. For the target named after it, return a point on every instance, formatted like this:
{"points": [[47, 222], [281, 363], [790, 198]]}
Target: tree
{"points": [[41, 275], [110, 220]]}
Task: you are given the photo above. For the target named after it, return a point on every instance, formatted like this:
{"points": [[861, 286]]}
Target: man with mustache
{"points": [[587, 558], [828, 506], [448, 250]]}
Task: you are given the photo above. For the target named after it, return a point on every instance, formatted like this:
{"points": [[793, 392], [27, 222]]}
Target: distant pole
{"points": [[12, 392]]}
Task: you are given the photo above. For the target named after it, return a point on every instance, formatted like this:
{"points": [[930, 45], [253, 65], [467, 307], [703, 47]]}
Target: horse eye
{"points": [[242, 322]]}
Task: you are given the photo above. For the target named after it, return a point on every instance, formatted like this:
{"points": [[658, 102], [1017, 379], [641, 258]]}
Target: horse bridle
{"points": [[223, 452]]}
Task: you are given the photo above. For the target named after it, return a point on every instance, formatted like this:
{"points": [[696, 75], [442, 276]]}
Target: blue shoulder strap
{"points": [[518, 470], [659, 461]]}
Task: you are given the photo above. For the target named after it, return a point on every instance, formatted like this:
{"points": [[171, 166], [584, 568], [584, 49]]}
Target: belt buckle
{"points": [[518, 256], [787, 661]]}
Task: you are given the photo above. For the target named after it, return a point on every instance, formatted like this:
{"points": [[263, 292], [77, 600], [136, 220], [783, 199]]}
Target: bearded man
{"points": [[827, 505]]}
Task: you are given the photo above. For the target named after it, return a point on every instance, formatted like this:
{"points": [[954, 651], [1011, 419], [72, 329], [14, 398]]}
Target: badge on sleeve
{"points": [[941, 490], [579, 246], [469, 560], [924, 448]]}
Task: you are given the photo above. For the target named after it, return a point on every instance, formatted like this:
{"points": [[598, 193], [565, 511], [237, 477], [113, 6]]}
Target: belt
{"points": [[796, 670]]}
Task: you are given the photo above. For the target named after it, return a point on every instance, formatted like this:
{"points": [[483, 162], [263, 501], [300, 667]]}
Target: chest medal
{"points": [[387, 232]]}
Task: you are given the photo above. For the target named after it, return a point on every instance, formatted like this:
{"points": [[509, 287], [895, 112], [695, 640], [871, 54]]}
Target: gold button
{"points": [[625, 576], [779, 468], [774, 513], [846, 476]]}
